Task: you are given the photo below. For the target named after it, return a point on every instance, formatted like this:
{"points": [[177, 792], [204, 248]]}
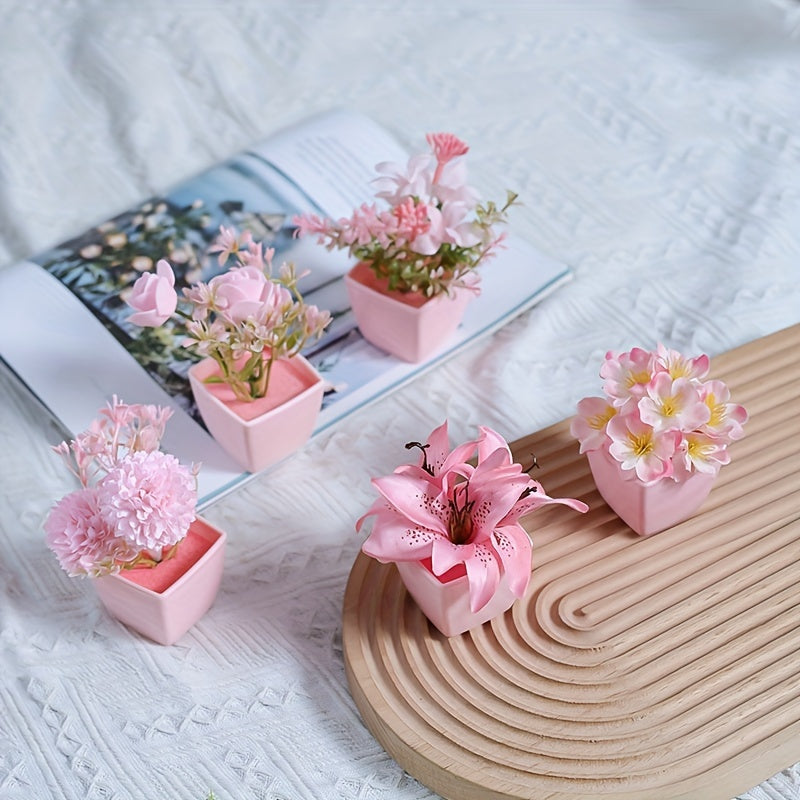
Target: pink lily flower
{"points": [[454, 512]]}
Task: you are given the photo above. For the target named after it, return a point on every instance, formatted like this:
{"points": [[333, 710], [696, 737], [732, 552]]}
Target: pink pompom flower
{"points": [[77, 532], [136, 503], [148, 500]]}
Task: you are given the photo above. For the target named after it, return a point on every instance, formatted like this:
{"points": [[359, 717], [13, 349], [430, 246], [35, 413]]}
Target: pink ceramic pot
{"points": [[446, 602], [163, 602], [408, 326], [646, 508], [260, 432]]}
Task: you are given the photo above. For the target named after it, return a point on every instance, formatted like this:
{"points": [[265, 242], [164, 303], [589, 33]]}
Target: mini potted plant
{"points": [[132, 525], [416, 255], [450, 523], [256, 394], [658, 438]]}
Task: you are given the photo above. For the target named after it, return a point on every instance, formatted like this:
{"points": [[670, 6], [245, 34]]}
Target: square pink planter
{"points": [[263, 431], [405, 325], [446, 603], [647, 509], [162, 603]]}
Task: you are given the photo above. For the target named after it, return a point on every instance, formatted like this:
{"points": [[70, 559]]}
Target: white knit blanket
{"points": [[656, 150]]}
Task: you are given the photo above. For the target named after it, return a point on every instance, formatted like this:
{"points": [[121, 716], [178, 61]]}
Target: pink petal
{"points": [[393, 539], [418, 500], [483, 574], [513, 547]]}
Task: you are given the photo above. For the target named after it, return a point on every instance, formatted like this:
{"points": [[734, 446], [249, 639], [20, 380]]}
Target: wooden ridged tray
{"points": [[666, 667]]}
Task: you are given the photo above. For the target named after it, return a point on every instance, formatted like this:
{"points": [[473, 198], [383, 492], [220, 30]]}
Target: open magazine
{"points": [[63, 328]]}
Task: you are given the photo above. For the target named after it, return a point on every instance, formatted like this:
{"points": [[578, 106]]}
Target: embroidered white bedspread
{"points": [[656, 150]]}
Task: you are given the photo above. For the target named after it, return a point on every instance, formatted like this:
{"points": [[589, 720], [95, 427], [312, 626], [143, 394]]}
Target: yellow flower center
{"points": [[678, 369], [642, 377], [717, 410], [697, 448], [641, 445], [669, 406], [598, 421]]}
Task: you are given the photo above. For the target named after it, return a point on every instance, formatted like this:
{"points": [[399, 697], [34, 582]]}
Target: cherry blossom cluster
{"points": [[135, 503], [659, 416], [430, 232], [244, 318], [459, 508]]}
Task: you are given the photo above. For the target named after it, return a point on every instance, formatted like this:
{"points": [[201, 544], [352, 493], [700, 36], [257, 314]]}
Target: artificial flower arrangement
{"points": [[660, 424], [433, 234], [451, 524], [132, 524], [245, 319], [422, 244], [256, 393], [135, 504]]}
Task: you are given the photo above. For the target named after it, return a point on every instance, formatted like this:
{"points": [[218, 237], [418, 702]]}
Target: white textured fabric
{"points": [[656, 148]]}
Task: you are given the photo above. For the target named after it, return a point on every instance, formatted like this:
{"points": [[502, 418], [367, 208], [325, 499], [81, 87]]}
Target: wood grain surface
{"points": [[666, 667]]}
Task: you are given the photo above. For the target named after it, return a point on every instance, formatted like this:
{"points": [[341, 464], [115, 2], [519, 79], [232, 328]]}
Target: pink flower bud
{"points": [[153, 297], [240, 292]]}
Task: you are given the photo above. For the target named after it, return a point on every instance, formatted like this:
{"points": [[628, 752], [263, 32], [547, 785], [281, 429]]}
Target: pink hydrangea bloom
{"points": [[453, 512], [153, 297], [76, 531], [134, 498], [148, 500]]}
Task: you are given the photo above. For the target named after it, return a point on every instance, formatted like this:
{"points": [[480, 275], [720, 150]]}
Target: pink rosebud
{"points": [[458, 513], [153, 297], [240, 292]]}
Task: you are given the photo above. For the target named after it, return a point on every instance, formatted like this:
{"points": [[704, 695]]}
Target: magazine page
{"points": [[77, 348]]}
